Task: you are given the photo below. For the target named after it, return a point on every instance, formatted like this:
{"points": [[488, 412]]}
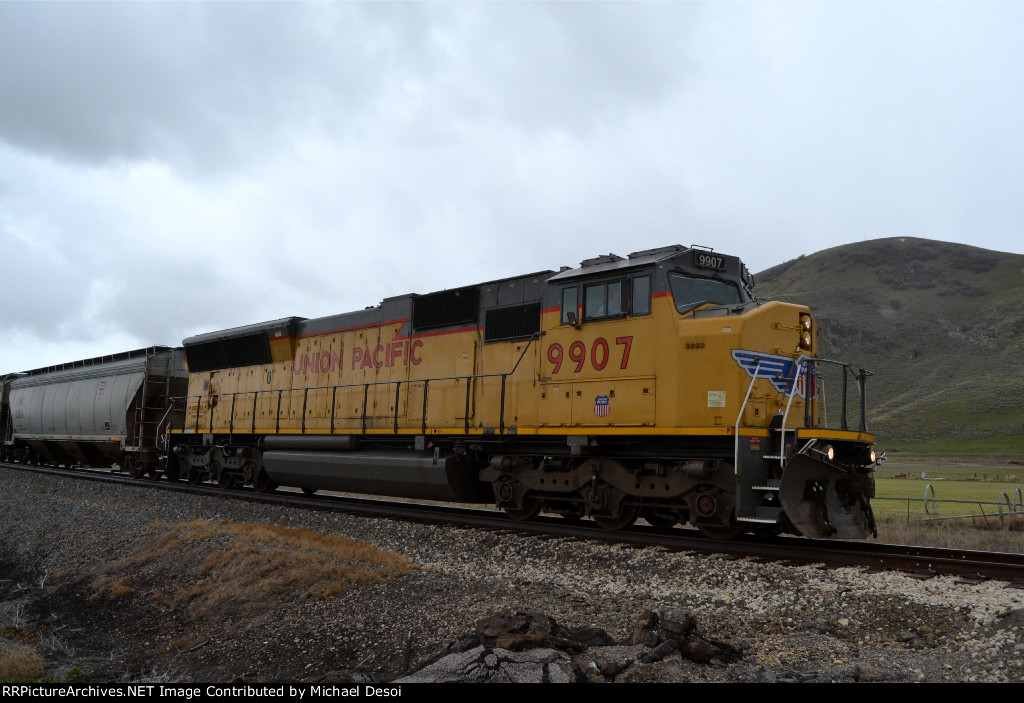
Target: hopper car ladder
{"points": [[151, 404]]}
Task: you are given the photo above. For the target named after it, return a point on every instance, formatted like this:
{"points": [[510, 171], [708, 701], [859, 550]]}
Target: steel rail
{"points": [[923, 562]]}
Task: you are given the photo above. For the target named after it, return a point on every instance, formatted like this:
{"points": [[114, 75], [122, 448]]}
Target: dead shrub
{"points": [[213, 567], [20, 663]]}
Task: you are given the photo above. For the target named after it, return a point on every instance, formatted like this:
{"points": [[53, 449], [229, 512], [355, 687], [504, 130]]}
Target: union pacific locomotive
{"points": [[653, 386]]}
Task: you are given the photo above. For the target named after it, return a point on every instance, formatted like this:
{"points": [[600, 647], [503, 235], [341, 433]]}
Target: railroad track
{"points": [[921, 562]]}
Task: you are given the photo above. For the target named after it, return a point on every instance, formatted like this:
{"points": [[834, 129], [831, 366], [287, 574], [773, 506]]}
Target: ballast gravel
{"points": [[792, 623]]}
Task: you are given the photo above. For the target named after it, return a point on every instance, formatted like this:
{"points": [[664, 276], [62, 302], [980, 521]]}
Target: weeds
{"points": [[13, 617], [20, 662], [155, 676], [215, 567], [56, 645], [955, 534], [111, 588]]}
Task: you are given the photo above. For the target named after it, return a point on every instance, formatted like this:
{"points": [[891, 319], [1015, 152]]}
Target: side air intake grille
{"points": [[229, 353], [516, 322], [448, 307]]}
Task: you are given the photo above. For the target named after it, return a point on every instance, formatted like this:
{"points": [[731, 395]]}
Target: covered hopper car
{"points": [[653, 386], [111, 410]]}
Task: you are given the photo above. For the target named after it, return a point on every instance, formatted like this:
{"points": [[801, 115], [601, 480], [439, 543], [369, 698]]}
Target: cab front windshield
{"points": [[689, 292]]}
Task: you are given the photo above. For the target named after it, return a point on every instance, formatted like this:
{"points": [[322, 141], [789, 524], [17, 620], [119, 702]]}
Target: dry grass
{"points": [[20, 662], [217, 567], [967, 533]]}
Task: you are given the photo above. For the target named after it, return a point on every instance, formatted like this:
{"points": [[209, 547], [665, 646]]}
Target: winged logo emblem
{"points": [[781, 371]]}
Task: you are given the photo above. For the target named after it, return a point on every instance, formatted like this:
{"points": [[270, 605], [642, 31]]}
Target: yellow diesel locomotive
{"points": [[653, 386]]}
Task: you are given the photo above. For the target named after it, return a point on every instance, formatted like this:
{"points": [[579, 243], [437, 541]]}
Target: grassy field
{"points": [[946, 497], [986, 450], [962, 507]]}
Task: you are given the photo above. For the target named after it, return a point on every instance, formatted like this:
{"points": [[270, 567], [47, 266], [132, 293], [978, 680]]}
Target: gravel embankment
{"points": [[793, 623]]}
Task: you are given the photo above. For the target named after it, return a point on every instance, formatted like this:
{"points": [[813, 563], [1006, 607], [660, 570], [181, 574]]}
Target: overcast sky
{"points": [[168, 169]]}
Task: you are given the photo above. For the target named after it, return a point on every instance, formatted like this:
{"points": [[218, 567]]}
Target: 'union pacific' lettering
{"points": [[386, 355], [396, 353], [324, 362]]}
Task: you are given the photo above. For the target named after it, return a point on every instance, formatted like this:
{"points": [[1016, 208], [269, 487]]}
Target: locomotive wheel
{"points": [[722, 531], [658, 520], [530, 510], [626, 517]]}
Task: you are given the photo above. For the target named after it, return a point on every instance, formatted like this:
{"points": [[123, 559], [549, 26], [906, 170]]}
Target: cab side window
{"points": [[604, 300], [641, 303], [608, 300], [569, 304]]}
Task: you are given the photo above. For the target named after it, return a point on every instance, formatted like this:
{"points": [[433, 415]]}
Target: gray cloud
{"points": [[172, 168]]}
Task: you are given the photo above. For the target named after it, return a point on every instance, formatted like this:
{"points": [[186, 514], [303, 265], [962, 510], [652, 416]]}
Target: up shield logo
{"points": [[602, 406], [786, 374]]}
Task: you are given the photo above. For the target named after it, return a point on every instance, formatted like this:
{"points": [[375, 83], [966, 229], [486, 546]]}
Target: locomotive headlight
{"points": [[806, 332], [827, 452]]}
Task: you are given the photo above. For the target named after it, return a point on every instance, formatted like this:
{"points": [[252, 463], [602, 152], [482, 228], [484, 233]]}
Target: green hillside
{"points": [[940, 325]]}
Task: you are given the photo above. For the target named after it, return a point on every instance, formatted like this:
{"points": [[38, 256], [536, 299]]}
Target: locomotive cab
{"points": [[681, 379]]}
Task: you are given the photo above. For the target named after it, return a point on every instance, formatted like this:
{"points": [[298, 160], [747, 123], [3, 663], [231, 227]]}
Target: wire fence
{"points": [[1005, 507]]}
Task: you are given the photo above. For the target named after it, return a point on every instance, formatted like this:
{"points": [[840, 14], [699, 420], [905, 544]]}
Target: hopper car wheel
{"points": [[309, 490], [195, 478], [722, 531], [626, 517], [172, 474], [530, 510], [225, 481], [263, 482]]}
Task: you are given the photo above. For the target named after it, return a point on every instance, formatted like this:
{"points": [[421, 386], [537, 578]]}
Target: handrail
{"points": [[162, 441], [366, 389], [809, 367], [739, 418]]}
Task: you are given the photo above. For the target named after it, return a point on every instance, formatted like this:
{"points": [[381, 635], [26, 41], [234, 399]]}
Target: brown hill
{"points": [[940, 325]]}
